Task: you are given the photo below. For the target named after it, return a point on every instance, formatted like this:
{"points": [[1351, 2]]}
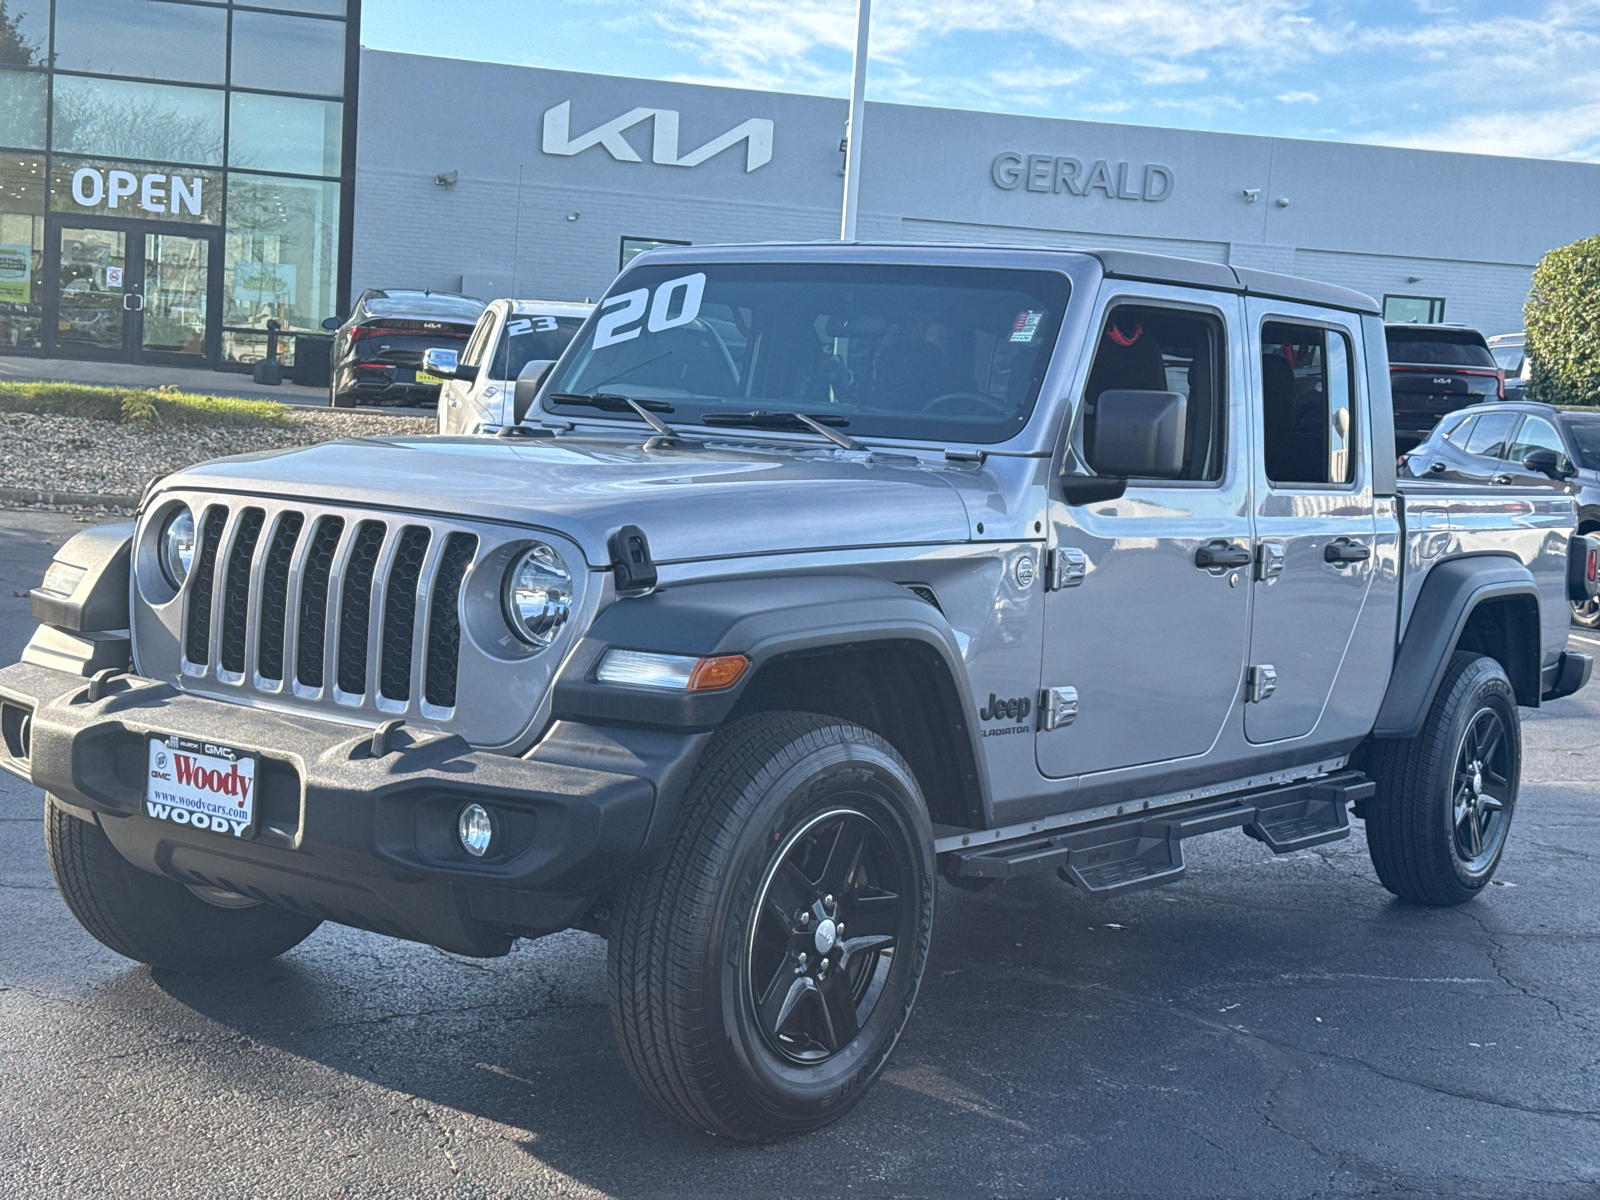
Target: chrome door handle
{"points": [[1502, 479]]}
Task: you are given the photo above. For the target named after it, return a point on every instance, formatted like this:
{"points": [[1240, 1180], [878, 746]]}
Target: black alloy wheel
{"points": [[762, 968], [1437, 828], [823, 934], [1481, 806]]}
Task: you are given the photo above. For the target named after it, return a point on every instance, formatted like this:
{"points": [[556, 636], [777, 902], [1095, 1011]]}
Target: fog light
{"points": [[475, 830]]}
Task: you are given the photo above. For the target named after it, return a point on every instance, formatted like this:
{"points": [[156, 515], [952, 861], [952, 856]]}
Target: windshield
{"points": [[924, 353], [1586, 438], [1439, 348], [529, 338]]}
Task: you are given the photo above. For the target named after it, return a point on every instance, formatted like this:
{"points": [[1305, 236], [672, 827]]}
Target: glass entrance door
{"points": [[136, 295], [176, 282], [94, 296]]}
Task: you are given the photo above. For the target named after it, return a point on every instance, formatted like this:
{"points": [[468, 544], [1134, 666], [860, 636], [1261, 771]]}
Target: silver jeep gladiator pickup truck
{"points": [[813, 573]]}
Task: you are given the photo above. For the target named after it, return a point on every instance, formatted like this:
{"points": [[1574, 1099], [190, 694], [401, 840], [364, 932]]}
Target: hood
{"points": [[715, 502]]}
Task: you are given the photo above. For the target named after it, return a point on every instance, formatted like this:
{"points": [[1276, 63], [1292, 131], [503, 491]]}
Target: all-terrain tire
{"points": [[1420, 842], [155, 920], [697, 941]]}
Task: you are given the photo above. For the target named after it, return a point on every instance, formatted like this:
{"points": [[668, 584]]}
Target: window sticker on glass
{"points": [[530, 324], [619, 312], [1025, 326]]}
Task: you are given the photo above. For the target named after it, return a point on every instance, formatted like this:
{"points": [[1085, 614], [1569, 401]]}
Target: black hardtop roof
{"points": [[1116, 264]]}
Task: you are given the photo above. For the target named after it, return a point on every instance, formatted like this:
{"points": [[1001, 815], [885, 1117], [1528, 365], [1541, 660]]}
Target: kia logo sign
{"points": [[154, 192], [756, 134]]}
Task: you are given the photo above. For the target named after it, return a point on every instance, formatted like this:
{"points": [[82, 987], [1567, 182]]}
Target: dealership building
{"points": [[175, 176]]}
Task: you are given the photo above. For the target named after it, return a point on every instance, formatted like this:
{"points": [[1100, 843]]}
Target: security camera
{"points": [[446, 178], [1251, 195]]}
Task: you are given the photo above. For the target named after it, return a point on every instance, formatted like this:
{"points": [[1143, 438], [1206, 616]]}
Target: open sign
{"points": [[153, 191]]}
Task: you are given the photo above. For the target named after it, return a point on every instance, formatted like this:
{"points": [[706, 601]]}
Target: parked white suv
{"points": [[512, 337]]}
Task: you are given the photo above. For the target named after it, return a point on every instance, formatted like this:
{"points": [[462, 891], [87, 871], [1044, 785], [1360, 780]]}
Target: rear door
{"points": [[1487, 445], [1314, 517]]}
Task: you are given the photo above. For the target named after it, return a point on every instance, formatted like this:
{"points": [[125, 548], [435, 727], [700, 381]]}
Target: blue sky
{"points": [[1519, 77]]}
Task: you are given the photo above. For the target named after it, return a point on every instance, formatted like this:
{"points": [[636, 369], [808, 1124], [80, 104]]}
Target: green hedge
{"points": [[150, 408], [1562, 320]]}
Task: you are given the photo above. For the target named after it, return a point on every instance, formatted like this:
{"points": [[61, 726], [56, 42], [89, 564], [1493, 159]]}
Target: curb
{"points": [[11, 495]]}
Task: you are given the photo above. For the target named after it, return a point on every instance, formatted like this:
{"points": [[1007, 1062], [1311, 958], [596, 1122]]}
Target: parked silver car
{"points": [[514, 339]]}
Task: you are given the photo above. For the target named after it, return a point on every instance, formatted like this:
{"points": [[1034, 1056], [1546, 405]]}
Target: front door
{"points": [[133, 293], [1148, 616], [1314, 522]]}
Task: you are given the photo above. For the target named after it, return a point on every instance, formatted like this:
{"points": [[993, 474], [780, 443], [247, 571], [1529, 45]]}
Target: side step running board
{"points": [[1127, 853]]}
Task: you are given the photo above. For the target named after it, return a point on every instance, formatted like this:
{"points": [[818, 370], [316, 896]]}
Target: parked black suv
{"points": [[1516, 444], [377, 352], [1435, 369]]}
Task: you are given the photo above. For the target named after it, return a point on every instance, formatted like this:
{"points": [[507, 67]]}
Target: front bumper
{"points": [[346, 835]]}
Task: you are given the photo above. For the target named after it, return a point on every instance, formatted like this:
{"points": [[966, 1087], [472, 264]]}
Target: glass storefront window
{"points": [[146, 38], [137, 120], [25, 34], [21, 252], [280, 252], [283, 133], [288, 54], [330, 8], [139, 191], [22, 102]]}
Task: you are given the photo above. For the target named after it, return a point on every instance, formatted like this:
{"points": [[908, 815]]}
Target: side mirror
{"points": [[331, 323], [446, 364], [529, 380], [1139, 434], [1548, 462]]}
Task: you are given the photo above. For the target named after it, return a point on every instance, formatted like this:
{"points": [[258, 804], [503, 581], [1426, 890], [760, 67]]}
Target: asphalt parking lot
{"points": [[1275, 1027]]}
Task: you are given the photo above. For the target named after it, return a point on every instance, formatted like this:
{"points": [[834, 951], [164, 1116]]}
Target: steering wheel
{"points": [[998, 407]]}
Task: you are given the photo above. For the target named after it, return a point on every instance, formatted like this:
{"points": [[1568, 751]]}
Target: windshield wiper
{"points": [[764, 419], [608, 402]]}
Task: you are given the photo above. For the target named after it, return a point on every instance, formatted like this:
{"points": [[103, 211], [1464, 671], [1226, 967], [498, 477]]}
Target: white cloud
{"points": [[1297, 98], [1561, 133], [1171, 72]]}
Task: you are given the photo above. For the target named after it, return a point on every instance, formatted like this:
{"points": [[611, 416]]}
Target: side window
{"points": [[472, 356], [1489, 436], [1459, 431], [1307, 405], [1150, 348], [1536, 434]]}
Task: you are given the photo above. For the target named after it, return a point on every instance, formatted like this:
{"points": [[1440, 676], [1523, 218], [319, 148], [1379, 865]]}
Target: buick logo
{"points": [[161, 760]]}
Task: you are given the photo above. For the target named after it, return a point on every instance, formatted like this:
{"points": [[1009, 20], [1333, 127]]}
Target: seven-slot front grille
{"points": [[308, 600]]}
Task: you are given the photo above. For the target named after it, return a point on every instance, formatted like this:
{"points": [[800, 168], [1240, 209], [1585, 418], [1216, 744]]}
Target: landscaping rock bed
{"points": [[47, 453]]}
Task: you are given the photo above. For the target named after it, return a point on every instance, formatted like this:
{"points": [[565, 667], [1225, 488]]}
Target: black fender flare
{"points": [[1450, 593], [766, 619]]}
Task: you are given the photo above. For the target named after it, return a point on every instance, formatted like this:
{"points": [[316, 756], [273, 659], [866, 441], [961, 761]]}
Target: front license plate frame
{"points": [[204, 785]]}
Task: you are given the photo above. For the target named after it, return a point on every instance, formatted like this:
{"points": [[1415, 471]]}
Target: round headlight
{"points": [[538, 595], [177, 547]]}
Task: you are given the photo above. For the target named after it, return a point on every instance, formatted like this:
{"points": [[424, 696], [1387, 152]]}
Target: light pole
{"points": [[858, 104]]}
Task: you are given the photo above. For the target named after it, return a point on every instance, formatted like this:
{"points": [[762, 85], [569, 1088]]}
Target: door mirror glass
{"points": [[1140, 434], [440, 362], [529, 380], [330, 323]]}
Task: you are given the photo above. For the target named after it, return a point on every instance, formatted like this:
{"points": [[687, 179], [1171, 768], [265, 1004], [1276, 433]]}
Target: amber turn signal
{"points": [[713, 674]]}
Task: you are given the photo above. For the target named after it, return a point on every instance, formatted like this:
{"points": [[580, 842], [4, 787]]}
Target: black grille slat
{"points": [[275, 594], [444, 621], [314, 601], [355, 607], [197, 645], [400, 613], [236, 590]]}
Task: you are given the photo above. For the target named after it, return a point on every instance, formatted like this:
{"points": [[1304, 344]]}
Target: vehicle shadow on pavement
{"points": [[1236, 1010]]}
